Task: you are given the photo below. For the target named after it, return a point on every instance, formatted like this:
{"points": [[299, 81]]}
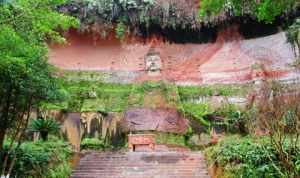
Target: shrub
{"points": [[197, 112], [92, 144], [248, 157], [44, 127], [278, 113], [41, 159], [234, 119]]}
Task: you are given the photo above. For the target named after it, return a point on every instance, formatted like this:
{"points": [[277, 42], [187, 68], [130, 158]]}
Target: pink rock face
{"points": [[228, 60], [141, 139], [163, 120]]}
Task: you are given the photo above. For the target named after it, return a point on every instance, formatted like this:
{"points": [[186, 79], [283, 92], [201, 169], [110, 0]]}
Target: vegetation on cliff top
{"points": [[262, 10], [100, 16], [141, 17]]}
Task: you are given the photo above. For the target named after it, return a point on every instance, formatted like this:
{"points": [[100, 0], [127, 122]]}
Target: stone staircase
{"points": [[142, 165]]}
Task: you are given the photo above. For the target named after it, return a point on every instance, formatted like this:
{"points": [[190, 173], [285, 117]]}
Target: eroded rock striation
{"points": [[160, 119]]}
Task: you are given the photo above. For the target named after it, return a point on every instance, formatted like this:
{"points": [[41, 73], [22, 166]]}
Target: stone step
{"points": [[137, 176], [155, 162], [142, 165]]}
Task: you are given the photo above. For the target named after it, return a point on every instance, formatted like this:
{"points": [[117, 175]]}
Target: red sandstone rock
{"points": [[229, 60], [141, 139], [164, 120]]}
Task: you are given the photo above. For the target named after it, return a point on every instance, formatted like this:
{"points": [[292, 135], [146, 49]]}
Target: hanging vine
{"points": [[102, 16]]}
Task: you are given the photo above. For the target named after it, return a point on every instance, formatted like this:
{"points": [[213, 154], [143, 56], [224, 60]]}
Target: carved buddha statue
{"points": [[153, 63]]}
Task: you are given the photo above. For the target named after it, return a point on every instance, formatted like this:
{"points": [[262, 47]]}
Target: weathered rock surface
{"points": [[231, 59], [200, 140], [161, 119], [72, 129]]}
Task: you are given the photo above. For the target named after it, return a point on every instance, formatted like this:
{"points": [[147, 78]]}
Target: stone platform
{"points": [[142, 165]]}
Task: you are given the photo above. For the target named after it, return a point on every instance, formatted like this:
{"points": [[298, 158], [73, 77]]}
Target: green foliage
{"points": [[169, 139], [267, 10], [234, 119], [188, 135], [197, 112], [211, 7], [112, 97], [36, 20], [150, 85], [92, 144], [109, 97], [49, 125], [263, 10], [120, 30], [194, 92], [25, 76], [42, 159], [44, 127], [168, 90], [62, 171], [172, 93], [281, 104], [247, 157]]}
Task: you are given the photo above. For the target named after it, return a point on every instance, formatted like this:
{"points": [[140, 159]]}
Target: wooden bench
{"points": [[141, 139]]}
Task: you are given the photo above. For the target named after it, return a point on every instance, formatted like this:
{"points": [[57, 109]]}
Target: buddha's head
{"points": [[153, 62]]}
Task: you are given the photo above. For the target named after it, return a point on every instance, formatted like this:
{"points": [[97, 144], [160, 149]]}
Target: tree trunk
{"points": [[2, 137], [44, 135], [12, 164]]}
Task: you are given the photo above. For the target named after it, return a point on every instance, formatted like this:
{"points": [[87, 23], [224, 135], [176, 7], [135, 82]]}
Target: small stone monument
{"points": [[141, 139], [153, 63]]}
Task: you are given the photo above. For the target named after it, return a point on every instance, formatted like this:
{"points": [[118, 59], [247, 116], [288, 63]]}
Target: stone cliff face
{"points": [[161, 119], [230, 59]]}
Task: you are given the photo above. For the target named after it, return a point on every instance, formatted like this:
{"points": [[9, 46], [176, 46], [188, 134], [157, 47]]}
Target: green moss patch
{"points": [[169, 139], [93, 96]]}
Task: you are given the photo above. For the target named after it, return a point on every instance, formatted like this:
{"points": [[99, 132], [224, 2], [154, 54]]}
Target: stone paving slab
{"points": [[142, 165]]}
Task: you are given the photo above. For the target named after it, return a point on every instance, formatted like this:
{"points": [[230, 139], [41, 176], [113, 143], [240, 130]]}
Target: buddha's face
{"points": [[153, 63]]}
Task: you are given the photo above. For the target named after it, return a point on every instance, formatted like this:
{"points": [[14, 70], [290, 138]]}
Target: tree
{"points": [[26, 79]]}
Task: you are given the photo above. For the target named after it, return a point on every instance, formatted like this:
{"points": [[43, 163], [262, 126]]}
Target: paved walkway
{"points": [[142, 165]]}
